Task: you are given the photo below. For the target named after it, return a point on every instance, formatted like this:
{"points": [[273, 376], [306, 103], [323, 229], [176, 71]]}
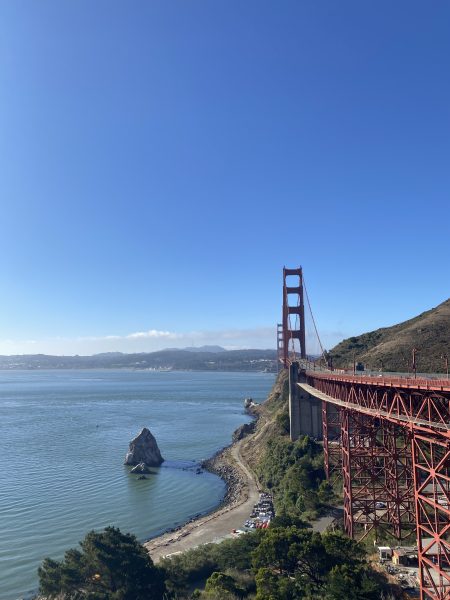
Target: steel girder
{"points": [[332, 440], [377, 485], [396, 452], [426, 407], [399, 480], [431, 457]]}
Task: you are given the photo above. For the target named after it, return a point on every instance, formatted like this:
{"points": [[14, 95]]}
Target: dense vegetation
{"points": [[281, 563], [232, 557], [390, 348], [110, 566], [294, 474]]}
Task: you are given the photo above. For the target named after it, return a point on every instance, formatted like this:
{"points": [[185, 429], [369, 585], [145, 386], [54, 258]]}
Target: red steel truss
{"points": [[393, 437], [398, 479], [431, 457], [332, 440], [377, 477]]}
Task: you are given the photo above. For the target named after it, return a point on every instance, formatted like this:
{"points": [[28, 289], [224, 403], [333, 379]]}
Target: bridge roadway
{"points": [[375, 402], [389, 438]]}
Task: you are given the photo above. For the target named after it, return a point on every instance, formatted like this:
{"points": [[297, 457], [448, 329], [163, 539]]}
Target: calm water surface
{"points": [[63, 439]]}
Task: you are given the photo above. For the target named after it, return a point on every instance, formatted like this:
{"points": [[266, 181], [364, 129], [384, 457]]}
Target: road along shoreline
{"points": [[242, 493]]}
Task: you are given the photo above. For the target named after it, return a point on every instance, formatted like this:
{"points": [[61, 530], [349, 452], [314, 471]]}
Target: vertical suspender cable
{"points": [[314, 321]]}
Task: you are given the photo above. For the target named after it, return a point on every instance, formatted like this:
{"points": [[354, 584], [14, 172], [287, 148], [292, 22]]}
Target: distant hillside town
{"points": [[205, 358]]}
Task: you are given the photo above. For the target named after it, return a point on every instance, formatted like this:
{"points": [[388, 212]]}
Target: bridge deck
{"points": [[438, 385], [371, 411]]}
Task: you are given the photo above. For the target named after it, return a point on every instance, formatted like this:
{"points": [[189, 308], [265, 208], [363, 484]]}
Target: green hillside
{"points": [[203, 359], [391, 347]]}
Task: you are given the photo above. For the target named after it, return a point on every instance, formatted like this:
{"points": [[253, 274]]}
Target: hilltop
{"points": [[391, 347]]}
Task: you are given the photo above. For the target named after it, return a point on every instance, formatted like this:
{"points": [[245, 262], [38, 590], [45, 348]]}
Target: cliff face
{"points": [[144, 449], [391, 347]]}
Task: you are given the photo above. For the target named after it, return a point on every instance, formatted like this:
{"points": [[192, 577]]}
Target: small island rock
{"points": [[140, 468], [144, 449]]}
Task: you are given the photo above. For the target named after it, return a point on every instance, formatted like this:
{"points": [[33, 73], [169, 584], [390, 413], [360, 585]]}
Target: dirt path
{"points": [[217, 525]]}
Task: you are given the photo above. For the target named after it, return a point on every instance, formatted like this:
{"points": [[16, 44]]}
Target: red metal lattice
{"points": [[332, 440], [395, 449]]}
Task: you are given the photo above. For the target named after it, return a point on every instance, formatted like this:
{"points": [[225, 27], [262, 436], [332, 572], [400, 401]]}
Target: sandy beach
{"points": [[242, 494]]}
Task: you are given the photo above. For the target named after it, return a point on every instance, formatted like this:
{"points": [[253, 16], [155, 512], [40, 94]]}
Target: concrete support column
{"points": [[294, 403], [305, 411]]}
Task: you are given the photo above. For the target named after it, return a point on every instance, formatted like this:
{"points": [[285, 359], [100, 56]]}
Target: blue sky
{"points": [[161, 161]]}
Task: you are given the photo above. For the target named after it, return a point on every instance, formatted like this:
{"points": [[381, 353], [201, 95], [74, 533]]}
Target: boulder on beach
{"points": [[144, 449]]}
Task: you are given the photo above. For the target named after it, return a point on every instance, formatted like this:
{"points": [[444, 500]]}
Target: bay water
{"points": [[63, 439]]}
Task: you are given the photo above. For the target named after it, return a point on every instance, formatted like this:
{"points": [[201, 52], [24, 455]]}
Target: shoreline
{"points": [[241, 493], [214, 526]]}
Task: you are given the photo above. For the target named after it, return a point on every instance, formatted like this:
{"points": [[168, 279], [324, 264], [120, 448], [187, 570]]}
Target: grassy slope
{"points": [[429, 332], [254, 446]]}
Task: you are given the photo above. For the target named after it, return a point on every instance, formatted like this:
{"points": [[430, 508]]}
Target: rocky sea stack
{"points": [[141, 469], [144, 449]]}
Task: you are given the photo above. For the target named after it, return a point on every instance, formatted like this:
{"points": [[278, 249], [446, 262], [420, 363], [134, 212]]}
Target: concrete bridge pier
{"points": [[305, 411]]}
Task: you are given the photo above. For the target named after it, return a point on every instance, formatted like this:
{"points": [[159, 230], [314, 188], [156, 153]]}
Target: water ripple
{"points": [[63, 438]]}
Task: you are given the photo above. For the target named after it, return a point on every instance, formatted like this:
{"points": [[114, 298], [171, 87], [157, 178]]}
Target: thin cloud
{"points": [[152, 340], [152, 333], [142, 341]]}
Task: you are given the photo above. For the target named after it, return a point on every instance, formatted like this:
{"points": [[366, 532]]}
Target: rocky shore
{"points": [[222, 465], [241, 492]]}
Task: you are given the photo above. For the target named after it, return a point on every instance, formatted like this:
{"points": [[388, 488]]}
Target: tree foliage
{"points": [[110, 566], [294, 472], [186, 569], [294, 564], [221, 582], [280, 563]]}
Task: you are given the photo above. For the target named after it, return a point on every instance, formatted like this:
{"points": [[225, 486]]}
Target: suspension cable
{"points": [[314, 321]]}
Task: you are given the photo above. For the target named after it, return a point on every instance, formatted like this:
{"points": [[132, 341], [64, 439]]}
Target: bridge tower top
{"points": [[293, 326]]}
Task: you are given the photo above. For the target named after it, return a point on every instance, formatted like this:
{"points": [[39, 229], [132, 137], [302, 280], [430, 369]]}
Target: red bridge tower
{"points": [[293, 304]]}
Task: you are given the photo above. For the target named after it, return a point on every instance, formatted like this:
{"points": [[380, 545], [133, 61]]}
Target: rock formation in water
{"points": [[248, 402], [144, 449], [250, 406], [140, 468]]}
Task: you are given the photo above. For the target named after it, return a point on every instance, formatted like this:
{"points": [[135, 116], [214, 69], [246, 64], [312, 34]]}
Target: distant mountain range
{"points": [[199, 349], [391, 348], [205, 358]]}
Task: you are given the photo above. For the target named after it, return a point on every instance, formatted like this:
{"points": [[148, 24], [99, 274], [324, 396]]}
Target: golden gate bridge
{"points": [[386, 436]]}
